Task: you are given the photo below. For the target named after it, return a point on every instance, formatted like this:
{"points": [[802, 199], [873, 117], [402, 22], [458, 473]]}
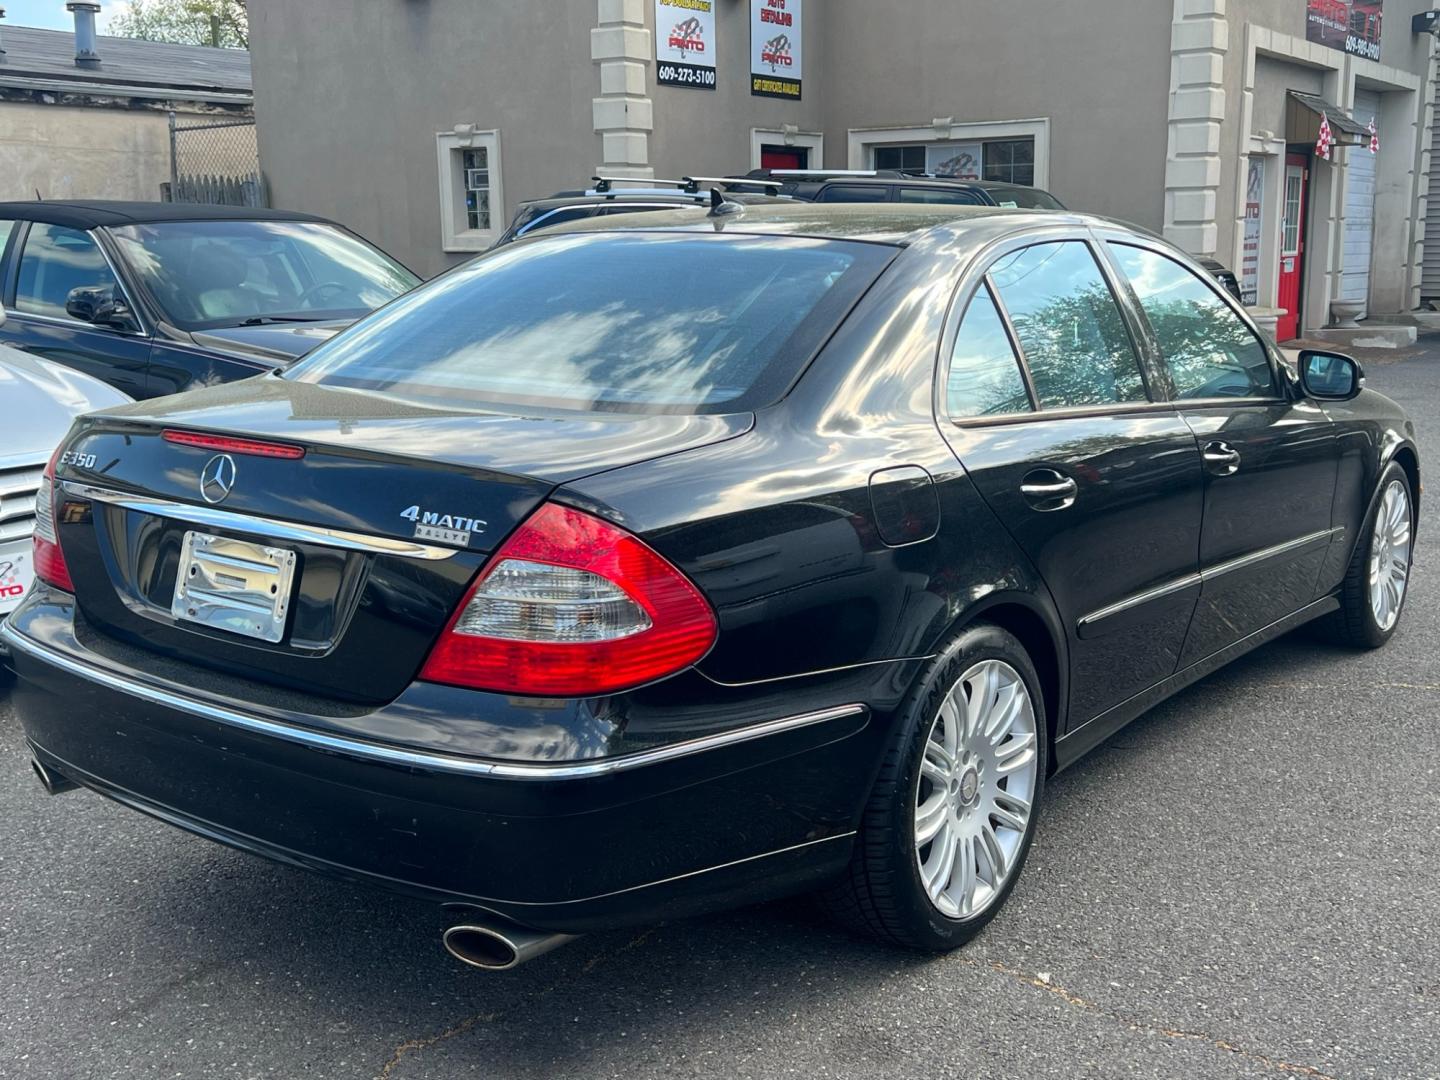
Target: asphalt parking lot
{"points": [[1242, 884]]}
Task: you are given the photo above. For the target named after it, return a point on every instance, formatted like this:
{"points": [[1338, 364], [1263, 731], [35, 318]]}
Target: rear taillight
{"points": [[49, 559], [571, 606]]}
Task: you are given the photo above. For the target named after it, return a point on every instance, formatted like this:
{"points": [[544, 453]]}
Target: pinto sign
{"points": [[685, 43], [775, 48]]}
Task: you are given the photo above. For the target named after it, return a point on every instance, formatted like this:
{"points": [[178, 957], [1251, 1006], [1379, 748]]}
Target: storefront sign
{"points": [[685, 43], [1352, 26], [961, 161], [775, 48], [1250, 252]]}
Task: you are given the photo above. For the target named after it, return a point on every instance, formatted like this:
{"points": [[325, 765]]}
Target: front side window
{"points": [[1209, 350], [56, 261], [613, 321], [6, 228], [207, 274], [985, 376], [1025, 198], [1071, 331]]}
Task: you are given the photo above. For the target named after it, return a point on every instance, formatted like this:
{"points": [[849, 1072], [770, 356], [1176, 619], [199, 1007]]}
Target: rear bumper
{"points": [[567, 846]]}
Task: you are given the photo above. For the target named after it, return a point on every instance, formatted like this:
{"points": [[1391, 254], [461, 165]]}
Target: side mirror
{"points": [[1330, 376], [98, 305]]}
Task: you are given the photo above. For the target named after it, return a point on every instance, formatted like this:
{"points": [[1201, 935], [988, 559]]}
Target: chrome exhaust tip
{"points": [[53, 782], [499, 946]]}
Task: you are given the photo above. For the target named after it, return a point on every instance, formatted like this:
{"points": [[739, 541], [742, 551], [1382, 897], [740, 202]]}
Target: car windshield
{"points": [[1025, 198], [636, 322], [208, 274]]}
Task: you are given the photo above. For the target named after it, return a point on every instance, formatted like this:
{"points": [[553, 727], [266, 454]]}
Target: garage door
{"points": [[1360, 206]]}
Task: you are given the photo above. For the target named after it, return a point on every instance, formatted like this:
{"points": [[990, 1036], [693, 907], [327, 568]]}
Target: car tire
{"points": [[1362, 622], [884, 893]]}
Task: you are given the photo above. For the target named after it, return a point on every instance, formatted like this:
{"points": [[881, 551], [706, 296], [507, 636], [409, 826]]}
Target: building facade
{"points": [[88, 117], [423, 123]]}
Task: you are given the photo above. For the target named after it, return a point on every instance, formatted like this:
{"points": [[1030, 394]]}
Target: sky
{"points": [[51, 14]]}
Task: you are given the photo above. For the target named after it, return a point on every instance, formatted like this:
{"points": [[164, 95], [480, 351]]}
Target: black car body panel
{"points": [[841, 533], [148, 357]]}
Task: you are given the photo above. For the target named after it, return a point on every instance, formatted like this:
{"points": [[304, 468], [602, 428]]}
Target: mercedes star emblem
{"points": [[217, 478]]}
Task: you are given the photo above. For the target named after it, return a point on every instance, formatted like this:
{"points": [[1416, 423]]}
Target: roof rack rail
{"points": [[823, 172], [730, 181], [606, 183]]}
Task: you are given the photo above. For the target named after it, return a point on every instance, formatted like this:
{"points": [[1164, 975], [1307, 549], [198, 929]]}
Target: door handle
{"points": [[1049, 490], [1221, 458]]}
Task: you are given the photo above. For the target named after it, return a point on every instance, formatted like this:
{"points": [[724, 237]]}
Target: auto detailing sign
{"points": [[685, 43], [775, 48], [1353, 26]]}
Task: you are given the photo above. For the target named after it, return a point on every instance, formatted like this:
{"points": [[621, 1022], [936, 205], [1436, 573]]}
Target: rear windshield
{"points": [[636, 322]]}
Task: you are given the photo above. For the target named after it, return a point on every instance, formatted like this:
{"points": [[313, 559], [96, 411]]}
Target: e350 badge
{"points": [[446, 528]]}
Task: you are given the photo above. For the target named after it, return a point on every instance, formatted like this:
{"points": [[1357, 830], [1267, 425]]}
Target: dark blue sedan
{"points": [[155, 298]]}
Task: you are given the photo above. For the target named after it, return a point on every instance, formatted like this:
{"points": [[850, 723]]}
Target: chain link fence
{"points": [[214, 161]]}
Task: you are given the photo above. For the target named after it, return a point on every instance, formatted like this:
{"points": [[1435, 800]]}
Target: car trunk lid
{"points": [[371, 536]]}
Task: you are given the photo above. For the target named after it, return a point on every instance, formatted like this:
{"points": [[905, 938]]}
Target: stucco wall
{"points": [[64, 152], [1099, 72], [351, 135]]}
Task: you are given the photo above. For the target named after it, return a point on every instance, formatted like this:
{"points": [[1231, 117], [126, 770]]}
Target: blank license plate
{"points": [[233, 585]]}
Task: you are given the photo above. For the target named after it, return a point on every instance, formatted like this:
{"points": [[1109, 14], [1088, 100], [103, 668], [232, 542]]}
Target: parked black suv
{"points": [[624, 195], [882, 185], [155, 298]]}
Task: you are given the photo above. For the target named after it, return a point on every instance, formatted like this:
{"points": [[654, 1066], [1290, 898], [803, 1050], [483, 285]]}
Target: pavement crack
{"points": [[416, 1045], [1131, 1023]]}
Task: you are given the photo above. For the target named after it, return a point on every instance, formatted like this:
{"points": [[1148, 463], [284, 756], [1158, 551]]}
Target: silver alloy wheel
{"points": [[974, 793], [1390, 555]]}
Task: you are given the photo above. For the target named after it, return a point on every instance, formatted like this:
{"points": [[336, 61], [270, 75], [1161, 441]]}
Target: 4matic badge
{"points": [[446, 528]]}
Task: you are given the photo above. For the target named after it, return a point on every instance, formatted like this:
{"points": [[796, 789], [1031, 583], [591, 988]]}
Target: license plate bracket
{"points": [[234, 585]]}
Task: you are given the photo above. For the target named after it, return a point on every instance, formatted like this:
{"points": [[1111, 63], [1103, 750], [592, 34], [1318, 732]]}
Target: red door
{"points": [[784, 157], [1292, 245]]}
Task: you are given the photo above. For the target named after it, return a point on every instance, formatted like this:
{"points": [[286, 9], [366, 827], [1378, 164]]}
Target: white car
{"points": [[38, 402]]}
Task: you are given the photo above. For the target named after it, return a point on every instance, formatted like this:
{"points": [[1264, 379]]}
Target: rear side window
{"points": [[1209, 350], [939, 196], [632, 321], [56, 261], [985, 375], [6, 228], [1070, 328], [850, 193]]}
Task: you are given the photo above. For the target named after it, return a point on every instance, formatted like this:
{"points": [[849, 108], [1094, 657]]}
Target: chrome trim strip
{"points": [[259, 526], [1210, 574], [1156, 593], [416, 759], [1245, 561]]}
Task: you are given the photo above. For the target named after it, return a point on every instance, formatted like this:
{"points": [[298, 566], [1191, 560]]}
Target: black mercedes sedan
{"points": [[155, 298], [678, 561]]}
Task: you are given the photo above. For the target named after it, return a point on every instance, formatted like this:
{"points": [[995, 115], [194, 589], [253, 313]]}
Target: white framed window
{"points": [[472, 201], [1014, 151]]}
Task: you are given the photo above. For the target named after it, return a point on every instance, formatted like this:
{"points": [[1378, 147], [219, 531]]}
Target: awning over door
{"points": [[1302, 121]]}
